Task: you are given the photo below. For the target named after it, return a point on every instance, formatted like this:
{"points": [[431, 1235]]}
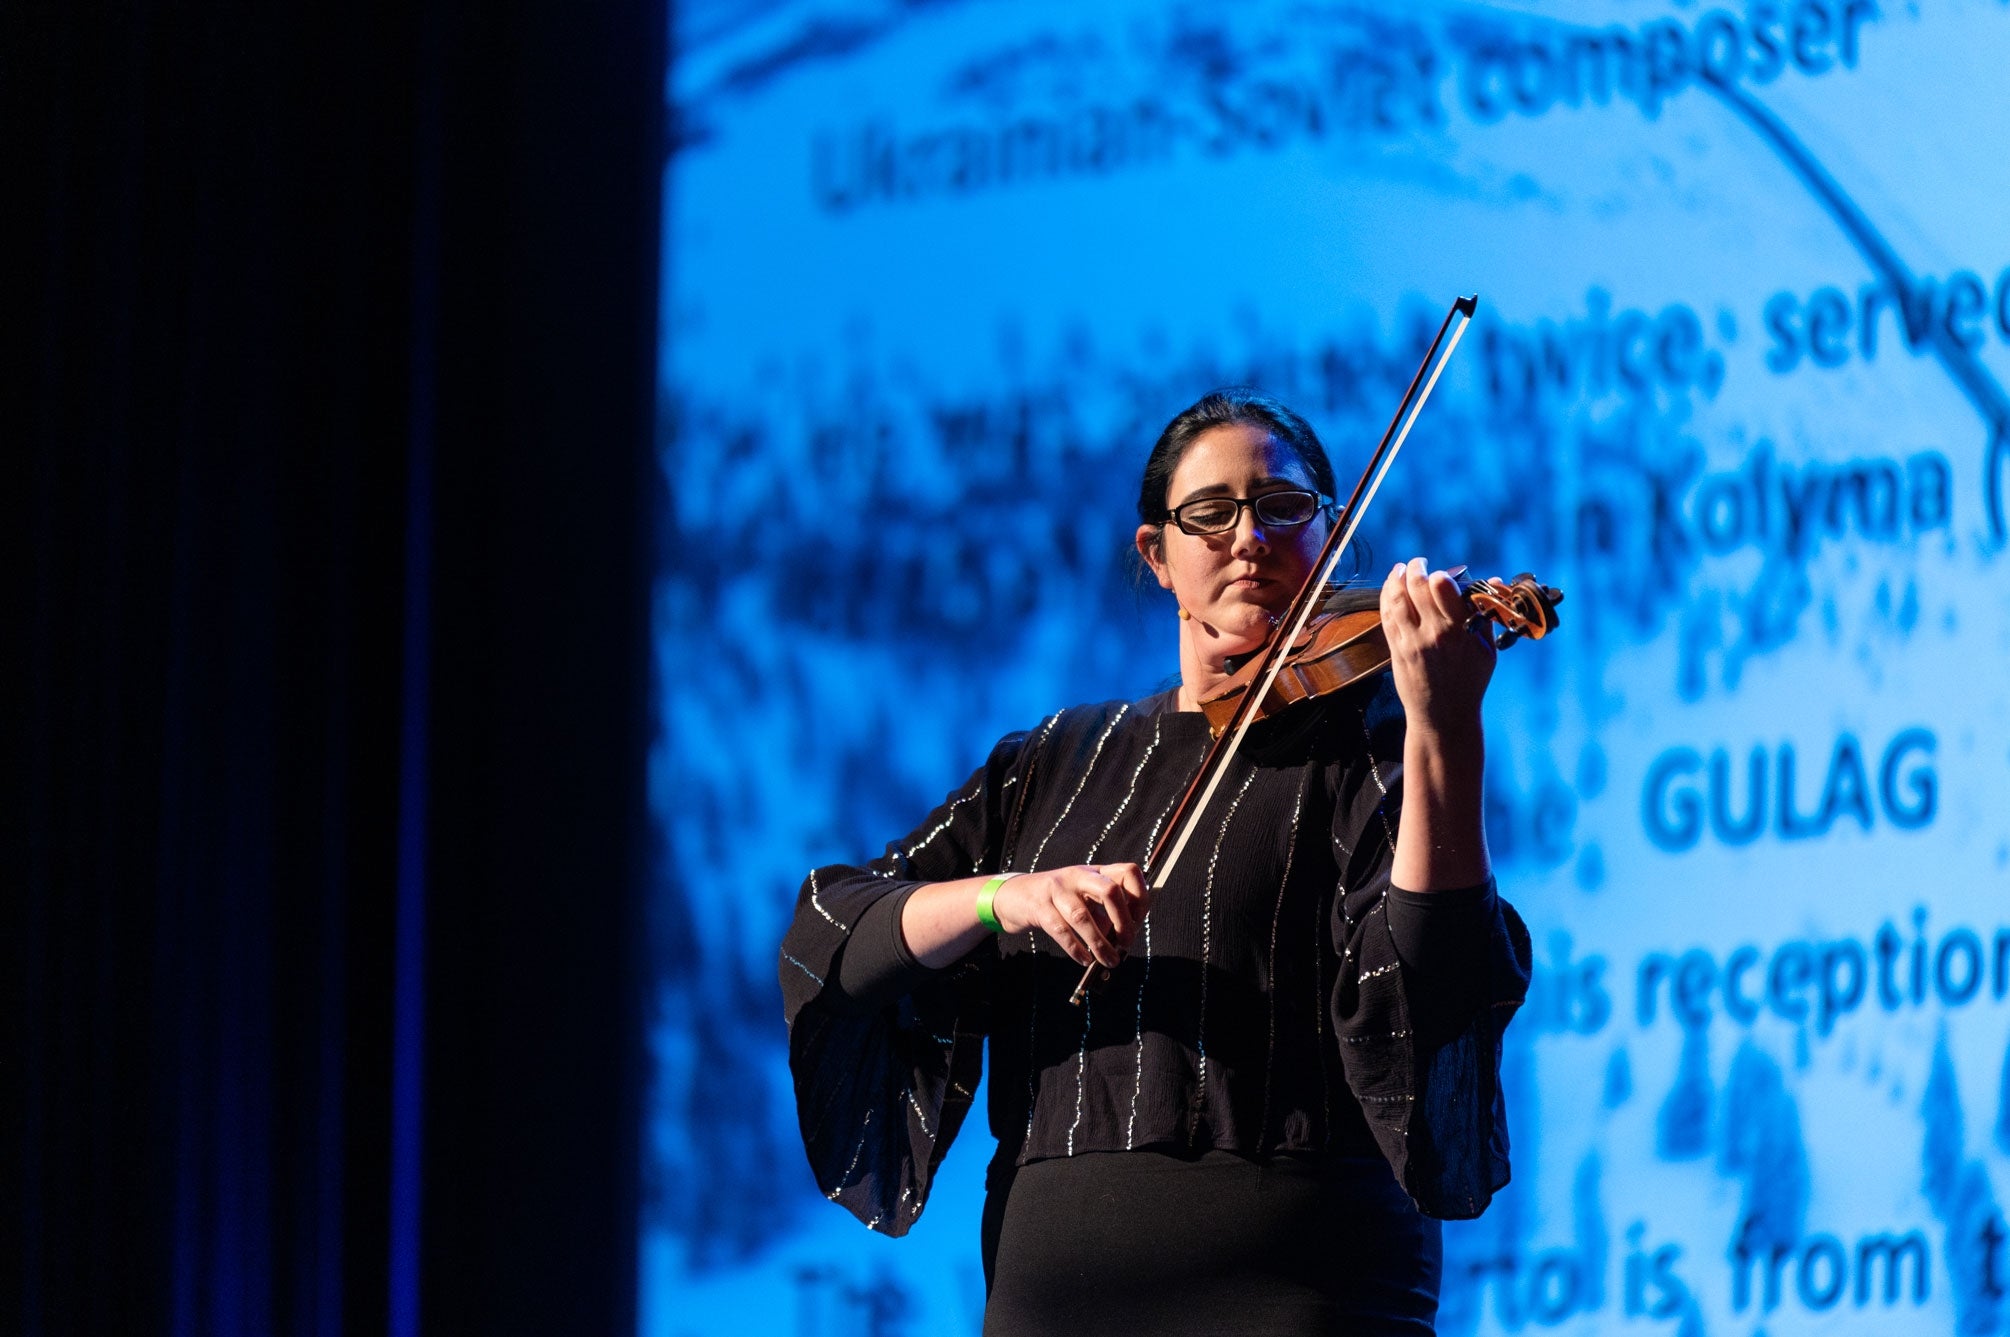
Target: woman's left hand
{"points": [[1440, 661]]}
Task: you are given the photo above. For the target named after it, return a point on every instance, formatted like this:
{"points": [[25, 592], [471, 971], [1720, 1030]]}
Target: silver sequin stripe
{"points": [[1341, 855], [1276, 915], [1319, 927], [844, 1180], [918, 1112], [820, 905], [1033, 1033], [1375, 769], [1033, 947], [1080, 784], [1081, 1070], [1206, 946], [1138, 1081], [1388, 833], [948, 820], [1158, 726], [1088, 1005], [1033, 750], [1344, 854]]}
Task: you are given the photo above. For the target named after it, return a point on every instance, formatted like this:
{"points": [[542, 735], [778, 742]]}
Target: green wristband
{"points": [[985, 914]]}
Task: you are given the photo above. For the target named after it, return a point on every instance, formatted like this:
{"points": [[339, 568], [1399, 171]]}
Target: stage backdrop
{"points": [[936, 276]]}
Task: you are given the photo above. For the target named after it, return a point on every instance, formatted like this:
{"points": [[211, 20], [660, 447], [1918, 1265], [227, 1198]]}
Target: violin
{"points": [[1343, 642]]}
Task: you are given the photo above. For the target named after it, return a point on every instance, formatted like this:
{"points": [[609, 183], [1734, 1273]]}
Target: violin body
{"points": [[1344, 642]]}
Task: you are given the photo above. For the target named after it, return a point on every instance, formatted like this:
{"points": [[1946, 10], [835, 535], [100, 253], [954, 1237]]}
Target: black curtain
{"points": [[330, 476]]}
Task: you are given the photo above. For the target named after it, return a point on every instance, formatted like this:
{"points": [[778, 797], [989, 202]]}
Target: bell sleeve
{"points": [[881, 1090], [1420, 1043]]}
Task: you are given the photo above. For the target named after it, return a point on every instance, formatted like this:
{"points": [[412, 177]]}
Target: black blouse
{"points": [[1271, 1003]]}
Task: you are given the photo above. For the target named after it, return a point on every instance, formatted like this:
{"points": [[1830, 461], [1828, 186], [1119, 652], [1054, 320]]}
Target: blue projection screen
{"points": [[935, 277]]}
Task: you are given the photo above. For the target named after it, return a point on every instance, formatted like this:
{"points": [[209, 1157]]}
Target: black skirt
{"points": [[1149, 1242]]}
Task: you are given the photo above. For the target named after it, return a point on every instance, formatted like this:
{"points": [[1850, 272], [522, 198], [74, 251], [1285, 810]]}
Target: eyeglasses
{"points": [[1284, 509]]}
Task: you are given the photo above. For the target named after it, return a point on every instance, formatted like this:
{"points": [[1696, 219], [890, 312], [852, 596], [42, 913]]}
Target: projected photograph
{"points": [[936, 279]]}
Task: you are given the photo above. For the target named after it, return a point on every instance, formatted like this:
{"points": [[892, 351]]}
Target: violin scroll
{"points": [[1522, 607]]}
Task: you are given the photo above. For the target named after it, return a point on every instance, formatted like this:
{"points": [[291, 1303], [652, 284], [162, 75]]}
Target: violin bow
{"points": [[1193, 804]]}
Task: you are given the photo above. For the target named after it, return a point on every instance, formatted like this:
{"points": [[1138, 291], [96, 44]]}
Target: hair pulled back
{"points": [[1227, 408]]}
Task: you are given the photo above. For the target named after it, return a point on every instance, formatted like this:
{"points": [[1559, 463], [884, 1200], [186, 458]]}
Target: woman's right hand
{"points": [[1091, 911]]}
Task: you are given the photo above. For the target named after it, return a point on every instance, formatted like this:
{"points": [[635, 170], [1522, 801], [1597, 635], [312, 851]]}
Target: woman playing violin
{"points": [[1291, 1071]]}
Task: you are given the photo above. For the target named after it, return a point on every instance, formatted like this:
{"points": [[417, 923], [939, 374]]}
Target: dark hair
{"points": [[1225, 408]]}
